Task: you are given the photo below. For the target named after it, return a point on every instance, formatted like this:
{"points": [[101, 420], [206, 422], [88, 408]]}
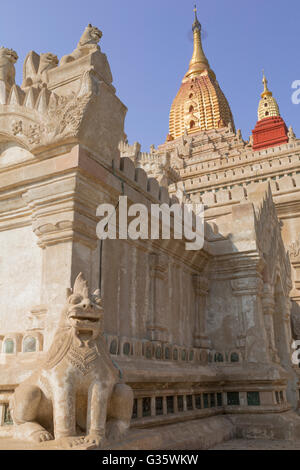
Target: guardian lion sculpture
{"points": [[88, 43], [8, 58], [77, 390], [36, 68]]}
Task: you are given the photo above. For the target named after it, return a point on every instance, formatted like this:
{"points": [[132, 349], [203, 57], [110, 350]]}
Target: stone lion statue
{"points": [[76, 396], [8, 58], [36, 67], [88, 43]]}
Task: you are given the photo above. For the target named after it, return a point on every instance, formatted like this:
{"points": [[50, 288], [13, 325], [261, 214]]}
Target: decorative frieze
{"points": [[247, 286]]}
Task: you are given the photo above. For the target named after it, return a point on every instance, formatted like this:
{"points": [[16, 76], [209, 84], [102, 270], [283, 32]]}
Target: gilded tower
{"points": [[200, 103], [268, 106], [270, 129]]}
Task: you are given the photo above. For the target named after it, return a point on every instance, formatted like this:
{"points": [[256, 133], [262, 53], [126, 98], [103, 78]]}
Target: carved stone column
{"points": [[157, 329], [268, 303], [201, 287], [249, 292]]}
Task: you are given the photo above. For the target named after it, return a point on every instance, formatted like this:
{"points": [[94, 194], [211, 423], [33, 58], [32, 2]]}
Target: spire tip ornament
{"points": [[196, 24], [199, 62], [266, 91]]}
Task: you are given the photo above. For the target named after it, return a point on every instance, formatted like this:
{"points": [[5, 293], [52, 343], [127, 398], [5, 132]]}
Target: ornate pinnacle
{"points": [[199, 62], [196, 24], [266, 91]]}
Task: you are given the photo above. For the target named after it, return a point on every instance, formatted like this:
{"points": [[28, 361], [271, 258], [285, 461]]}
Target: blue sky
{"points": [[149, 46]]}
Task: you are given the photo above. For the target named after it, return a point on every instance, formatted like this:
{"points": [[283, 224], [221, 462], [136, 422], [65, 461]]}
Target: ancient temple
{"points": [[204, 338]]}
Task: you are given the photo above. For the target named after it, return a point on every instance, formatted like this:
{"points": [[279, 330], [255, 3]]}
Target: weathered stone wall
{"points": [[21, 278], [128, 283]]}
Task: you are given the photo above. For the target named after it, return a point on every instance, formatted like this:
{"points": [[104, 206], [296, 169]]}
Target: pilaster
{"points": [[156, 327], [201, 288], [249, 290], [268, 303]]}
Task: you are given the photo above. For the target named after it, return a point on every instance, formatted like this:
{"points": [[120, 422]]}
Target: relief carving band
{"points": [[294, 250], [75, 396]]}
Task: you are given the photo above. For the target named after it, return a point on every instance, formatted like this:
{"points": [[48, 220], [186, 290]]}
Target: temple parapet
{"points": [[161, 166]]}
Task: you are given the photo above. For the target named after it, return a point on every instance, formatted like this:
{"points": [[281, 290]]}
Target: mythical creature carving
{"points": [[250, 141], [61, 118], [291, 134], [78, 388], [36, 68], [8, 58], [66, 115], [294, 250], [88, 43]]}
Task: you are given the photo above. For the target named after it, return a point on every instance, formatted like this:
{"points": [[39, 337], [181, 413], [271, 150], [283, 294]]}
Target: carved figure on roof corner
{"points": [[291, 134], [8, 58], [88, 43], [250, 141], [36, 68], [76, 395]]}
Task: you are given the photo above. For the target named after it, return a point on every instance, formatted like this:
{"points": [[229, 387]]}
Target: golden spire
{"points": [[200, 103], [266, 91], [268, 106], [199, 62]]}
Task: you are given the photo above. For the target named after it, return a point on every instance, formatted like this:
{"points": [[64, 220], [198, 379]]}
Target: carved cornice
{"points": [[60, 214], [237, 265], [64, 231], [247, 286], [159, 264]]}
